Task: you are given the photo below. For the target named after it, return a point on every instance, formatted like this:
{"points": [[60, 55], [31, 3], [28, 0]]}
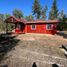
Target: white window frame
{"points": [[32, 27], [47, 27]]}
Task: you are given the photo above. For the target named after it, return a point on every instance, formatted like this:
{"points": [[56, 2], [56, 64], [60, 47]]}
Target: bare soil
{"points": [[40, 48]]}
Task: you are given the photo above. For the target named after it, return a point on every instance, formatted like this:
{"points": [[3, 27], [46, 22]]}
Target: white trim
{"points": [[34, 28]]}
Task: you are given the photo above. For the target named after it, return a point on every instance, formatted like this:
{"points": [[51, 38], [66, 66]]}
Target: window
{"points": [[33, 26], [49, 26]]}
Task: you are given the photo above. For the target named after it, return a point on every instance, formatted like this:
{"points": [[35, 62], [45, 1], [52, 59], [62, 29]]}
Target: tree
{"points": [[2, 17], [64, 18], [17, 13], [61, 15], [36, 8], [29, 18], [43, 13], [8, 26], [53, 14], [62, 25], [2, 24], [6, 16]]}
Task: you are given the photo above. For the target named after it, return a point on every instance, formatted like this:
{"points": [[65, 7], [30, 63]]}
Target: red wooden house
{"points": [[34, 26]]}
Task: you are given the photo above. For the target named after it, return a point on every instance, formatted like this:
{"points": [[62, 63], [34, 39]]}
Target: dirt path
{"points": [[25, 58], [31, 49]]}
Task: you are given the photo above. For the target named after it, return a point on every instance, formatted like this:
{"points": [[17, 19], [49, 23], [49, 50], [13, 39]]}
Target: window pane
{"points": [[33, 26], [49, 26]]}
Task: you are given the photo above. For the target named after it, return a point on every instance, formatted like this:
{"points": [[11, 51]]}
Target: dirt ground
{"points": [[40, 48]]}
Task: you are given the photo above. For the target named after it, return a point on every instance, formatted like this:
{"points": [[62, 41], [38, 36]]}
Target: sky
{"points": [[7, 6]]}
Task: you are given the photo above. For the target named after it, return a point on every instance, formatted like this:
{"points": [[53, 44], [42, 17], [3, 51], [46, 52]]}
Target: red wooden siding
{"points": [[21, 29], [40, 28]]}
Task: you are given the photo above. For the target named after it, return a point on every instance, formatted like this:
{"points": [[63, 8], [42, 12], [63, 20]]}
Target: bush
{"points": [[62, 26]]}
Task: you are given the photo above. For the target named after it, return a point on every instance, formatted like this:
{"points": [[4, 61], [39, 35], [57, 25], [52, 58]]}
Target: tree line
{"points": [[39, 12]]}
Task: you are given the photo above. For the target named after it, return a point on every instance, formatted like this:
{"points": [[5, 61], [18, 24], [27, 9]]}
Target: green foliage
{"points": [[62, 25], [61, 14], [2, 26], [36, 8], [43, 13], [29, 18], [53, 14], [2, 17], [10, 26], [64, 18], [6, 15], [17, 13]]}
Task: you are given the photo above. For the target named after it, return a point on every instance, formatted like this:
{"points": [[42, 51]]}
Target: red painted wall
{"points": [[40, 28], [20, 30]]}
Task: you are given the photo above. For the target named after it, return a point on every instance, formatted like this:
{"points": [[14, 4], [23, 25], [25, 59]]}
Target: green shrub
{"points": [[62, 26]]}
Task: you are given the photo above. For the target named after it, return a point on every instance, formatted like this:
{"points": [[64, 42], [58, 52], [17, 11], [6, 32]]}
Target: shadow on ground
{"points": [[34, 64], [4, 66], [62, 33], [7, 43], [55, 65]]}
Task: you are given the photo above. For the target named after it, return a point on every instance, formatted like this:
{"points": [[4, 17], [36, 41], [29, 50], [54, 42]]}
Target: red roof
{"points": [[28, 22], [16, 19]]}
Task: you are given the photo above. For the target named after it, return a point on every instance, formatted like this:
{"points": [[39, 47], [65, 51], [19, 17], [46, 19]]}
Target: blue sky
{"points": [[7, 6]]}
